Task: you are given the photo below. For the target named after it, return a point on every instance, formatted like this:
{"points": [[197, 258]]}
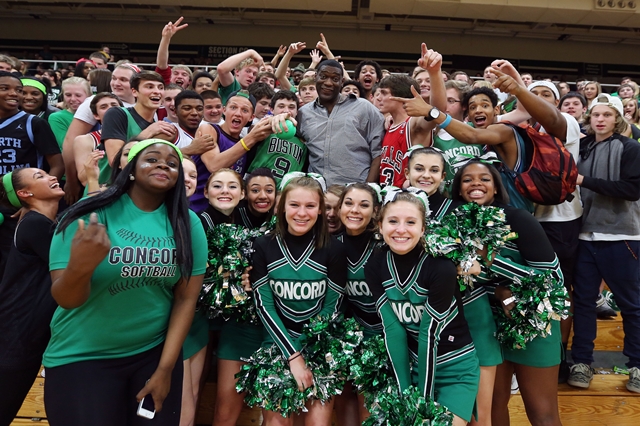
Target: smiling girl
{"points": [[536, 367], [26, 305], [359, 206], [416, 295], [126, 267], [298, 274], [74, 91]]}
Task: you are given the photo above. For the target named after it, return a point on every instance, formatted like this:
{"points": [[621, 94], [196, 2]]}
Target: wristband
{"points": [[244, 145], [446, 122], [509, 300], [294, 357]]}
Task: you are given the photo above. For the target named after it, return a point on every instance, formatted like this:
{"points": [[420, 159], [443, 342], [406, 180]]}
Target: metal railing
{"points": [[207, 68]]}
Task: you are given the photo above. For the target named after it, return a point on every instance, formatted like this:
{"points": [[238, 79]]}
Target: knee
{"points": [[547, 418]]}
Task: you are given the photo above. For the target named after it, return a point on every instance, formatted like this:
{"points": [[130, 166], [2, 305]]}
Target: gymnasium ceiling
{"points": [[577, 20]]}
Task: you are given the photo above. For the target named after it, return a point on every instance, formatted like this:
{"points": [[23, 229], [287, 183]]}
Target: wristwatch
{"points": [[433, 114]]}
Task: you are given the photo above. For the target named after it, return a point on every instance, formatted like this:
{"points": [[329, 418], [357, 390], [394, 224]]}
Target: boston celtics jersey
{"points": [[294, 281], [451, 148], [280, 156], [128, 310], [422, 323]]}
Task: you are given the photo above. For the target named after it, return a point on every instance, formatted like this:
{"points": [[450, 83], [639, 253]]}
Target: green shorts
{"points": [[239, 340], [198, 336], [482, 328], [456, 384], [540, 352]]}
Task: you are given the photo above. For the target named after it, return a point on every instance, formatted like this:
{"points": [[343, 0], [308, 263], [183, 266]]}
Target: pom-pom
{"points": [[540, 299], [408, 408], [230, 251], [329, 346], [464, 231]]}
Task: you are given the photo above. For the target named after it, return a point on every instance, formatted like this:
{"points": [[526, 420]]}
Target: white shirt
{"points": [[569, 210], [83, 113]]}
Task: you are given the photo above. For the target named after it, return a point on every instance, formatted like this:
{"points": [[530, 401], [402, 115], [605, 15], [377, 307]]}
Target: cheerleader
{"points": [[298, 274], [426, 171], [358, 208], [536, 367], [423, 324], [239, 341]]}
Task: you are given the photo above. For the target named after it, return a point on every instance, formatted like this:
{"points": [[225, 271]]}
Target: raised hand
{"points": [[316, 57], [282, 50], [298, 47], [90, 243], [506, 83], [171, 29], [91, 168], [416, 106], [430, 60]]}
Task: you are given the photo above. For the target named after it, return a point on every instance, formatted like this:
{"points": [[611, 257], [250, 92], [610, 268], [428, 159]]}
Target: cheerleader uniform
{"points": [[424, 328]]}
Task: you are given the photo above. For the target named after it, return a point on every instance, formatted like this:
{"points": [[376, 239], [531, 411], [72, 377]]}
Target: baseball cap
{"points": [[244, 94], [549, 85], [608, 100]]}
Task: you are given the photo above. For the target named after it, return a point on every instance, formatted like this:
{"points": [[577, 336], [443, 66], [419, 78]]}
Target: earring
{"points": [[132, 177], [31, 194]]}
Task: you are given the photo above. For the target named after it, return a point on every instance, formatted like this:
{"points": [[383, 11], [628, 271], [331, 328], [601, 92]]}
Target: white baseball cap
{"points": [[610, 101], [549, 85]]}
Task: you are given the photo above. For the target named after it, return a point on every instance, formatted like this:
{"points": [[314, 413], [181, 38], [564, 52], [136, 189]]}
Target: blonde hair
{"points": [[246, 63], [79, 81]]}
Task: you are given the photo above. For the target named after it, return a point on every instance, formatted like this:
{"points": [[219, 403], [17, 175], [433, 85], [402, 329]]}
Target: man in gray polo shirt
{"points": [[343, 133]]}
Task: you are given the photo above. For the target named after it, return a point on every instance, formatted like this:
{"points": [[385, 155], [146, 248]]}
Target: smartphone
{"points": [[146, 407]]}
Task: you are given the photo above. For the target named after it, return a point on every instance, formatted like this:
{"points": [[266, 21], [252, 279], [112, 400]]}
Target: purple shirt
{"points": [[198, 202]]}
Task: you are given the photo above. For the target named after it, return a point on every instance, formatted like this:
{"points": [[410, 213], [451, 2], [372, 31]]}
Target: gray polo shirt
{"points": [[342, 145]]}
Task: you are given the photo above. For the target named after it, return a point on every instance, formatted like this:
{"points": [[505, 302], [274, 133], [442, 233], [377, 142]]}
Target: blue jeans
{"points": [[617, 262]]}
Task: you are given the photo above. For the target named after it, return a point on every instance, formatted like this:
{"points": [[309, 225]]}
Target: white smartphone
{"points": [[146, 408]]}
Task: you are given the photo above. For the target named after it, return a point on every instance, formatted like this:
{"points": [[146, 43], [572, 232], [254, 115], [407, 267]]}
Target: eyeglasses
{"points": [[452, 101]]}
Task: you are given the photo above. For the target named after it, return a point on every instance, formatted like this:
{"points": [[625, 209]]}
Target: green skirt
{"points": [[540, 352], [239, 340], [198, 336], [483, 328], [456, 384]]}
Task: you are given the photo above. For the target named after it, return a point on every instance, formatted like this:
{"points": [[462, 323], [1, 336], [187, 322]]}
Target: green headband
{"points": [[11, 193], [137, 148], [33, 83]]}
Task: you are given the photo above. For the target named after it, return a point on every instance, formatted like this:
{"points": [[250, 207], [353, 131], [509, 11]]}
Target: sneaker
{"points": [[580, 376], [634, 380], [515, 388], [611, 301], [603, 310]]}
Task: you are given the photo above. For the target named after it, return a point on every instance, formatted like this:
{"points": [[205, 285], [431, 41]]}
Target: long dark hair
{"points": [[501, 197], [177, 209]]}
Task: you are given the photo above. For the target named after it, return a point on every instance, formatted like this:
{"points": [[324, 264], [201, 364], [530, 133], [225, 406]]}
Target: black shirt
{"points": [[26, 304]]}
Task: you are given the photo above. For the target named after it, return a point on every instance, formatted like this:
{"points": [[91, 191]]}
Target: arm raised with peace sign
{"points": [[169, 30], [71, 287]]}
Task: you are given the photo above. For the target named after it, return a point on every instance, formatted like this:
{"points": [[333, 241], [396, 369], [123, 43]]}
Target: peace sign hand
{"points": [[416, 106], [171, 29]]}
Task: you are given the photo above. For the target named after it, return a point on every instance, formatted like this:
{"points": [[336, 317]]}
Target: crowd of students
{"points": [[113, 178]]}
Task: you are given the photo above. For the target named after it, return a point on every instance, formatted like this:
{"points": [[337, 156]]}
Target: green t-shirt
{"points": [[451, 148], [225, 91], [280, 156], [59, 122], [128, 310]]}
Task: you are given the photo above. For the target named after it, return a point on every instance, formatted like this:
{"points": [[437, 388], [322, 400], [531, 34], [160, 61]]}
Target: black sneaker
{"points": [[603, 310]]}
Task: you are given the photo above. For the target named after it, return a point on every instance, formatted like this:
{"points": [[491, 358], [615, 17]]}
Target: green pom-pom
{"points": [[230, 250], [408, 408], [540, 299], [464, 231], [329, 344]]}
